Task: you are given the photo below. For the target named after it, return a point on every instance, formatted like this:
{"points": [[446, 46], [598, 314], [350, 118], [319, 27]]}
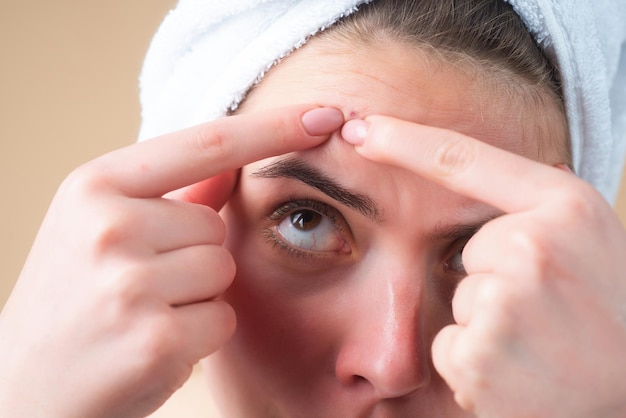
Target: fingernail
{"points": [[354, 131], [322, 121]]}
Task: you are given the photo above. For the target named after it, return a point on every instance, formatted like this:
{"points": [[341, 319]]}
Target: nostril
{"points": [[354, 381], [359, 379], [387, 355], [387, 374]]}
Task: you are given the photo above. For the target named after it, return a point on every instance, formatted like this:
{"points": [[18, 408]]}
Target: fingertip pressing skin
{"points": [[215, 191], [370, 136], [179, 159], [465, 165], [355, 131], [322, 121]]}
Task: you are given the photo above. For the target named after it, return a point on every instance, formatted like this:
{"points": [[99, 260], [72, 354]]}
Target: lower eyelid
{"points": [[275, 238]]}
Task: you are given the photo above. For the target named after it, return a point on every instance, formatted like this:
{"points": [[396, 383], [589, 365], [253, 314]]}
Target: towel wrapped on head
{"points": [[208, 53]]}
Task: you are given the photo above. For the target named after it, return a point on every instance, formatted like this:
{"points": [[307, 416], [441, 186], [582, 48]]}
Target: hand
{"points": [[541, 316], [119, 297]]}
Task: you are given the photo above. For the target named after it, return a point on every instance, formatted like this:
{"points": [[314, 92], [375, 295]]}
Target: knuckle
{"points": [[121, 294], [282, 132], [158, 341], [210, 141], [579, 203], [453, 155], [284, 128], [124, 288], [110, 231], [84, 180], [531, 246], [104, 220]]}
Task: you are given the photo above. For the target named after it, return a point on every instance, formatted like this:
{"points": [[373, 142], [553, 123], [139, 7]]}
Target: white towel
{"points": [[587, 41], [208, 53]]}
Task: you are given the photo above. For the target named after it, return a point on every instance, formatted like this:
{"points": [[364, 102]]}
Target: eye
{"points": [[455, 263], [311, 231], [309, 227]]}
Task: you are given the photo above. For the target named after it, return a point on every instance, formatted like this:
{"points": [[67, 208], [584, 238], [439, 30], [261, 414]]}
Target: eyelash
{"points": [[286, 208], [292, 204]]}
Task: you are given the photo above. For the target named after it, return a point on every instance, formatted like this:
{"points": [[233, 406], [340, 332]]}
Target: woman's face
{"points": [[346, 268]]}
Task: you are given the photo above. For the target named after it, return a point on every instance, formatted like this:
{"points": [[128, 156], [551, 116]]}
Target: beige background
{"points": [[68, 92]]}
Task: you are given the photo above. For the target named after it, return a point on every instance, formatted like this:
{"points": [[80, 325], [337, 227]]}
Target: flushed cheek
{"points": [[284, 339]]}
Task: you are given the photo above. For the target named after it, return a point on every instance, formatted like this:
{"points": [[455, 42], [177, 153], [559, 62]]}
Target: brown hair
{"points": [[485, 34]]}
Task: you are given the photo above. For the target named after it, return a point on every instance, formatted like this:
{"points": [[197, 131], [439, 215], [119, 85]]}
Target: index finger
{"points": [[458, 162], [175, 160]]}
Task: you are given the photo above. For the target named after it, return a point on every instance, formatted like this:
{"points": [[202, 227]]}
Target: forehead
{"points": [[401, 81], [398, 81]]}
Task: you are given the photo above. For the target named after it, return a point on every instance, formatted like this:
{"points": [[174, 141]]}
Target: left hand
{"points": [[541, 316]]}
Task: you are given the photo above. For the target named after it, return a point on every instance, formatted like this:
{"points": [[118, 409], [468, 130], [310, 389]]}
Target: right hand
{"points": [[119, 296]]}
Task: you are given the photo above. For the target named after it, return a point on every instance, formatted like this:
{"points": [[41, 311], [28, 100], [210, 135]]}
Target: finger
{"points": [[191, 274], [447, 363], [206, 326], [158, 225], [463, 301], [469, 296], [175, 160], [441, 352], [213, 192], [526, 246], [458, 162]]}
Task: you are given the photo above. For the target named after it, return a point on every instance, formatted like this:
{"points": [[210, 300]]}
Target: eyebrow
{"points": [[296, 169], [457, 231]]}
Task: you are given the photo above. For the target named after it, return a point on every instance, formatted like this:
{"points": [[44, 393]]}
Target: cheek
{"points": [[293, 320], [277, 326]]}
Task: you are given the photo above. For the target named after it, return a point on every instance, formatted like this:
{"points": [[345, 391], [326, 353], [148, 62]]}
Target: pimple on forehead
{"points": [[356, 110], [353, 114]]}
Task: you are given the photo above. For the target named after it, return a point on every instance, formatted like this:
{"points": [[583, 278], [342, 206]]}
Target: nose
{"points": [[385, 348]]}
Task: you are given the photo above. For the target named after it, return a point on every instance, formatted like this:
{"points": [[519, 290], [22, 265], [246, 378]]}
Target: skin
{"points": [[535, 304], [128, 283], [118, 295], [349, 332]]}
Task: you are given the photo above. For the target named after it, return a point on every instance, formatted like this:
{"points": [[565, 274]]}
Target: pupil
{"points": [[305, 219]]}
